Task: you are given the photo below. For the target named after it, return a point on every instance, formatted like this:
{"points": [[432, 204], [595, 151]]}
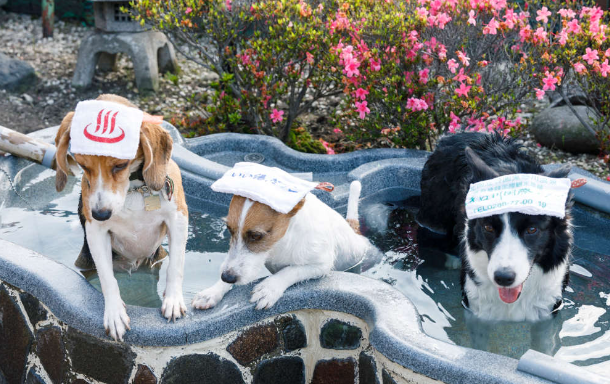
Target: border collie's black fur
{"points": [[514, 266]]}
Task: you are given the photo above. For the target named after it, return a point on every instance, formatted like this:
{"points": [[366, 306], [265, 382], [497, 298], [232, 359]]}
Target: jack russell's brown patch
{"points": [[262, 226]]}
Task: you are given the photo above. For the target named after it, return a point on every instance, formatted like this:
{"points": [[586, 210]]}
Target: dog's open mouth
{"points": [[510, 295]]}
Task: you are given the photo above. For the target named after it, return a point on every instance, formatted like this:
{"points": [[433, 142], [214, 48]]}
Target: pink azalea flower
{"points": [[423, 75], [463, 58], [574, 27], [442, 19], [539, 94], [228, 3], [276, 116], [337, 130], [362, 109], [375, 65], [421, 12], [452, 65], [590, 56], [492, 27], [188, 10], [416, 104], [329, 149], [442, 52], [540, 34], [462, 90], [511, 18], [605, 68], [567, 13], [543, 15], [455, 123], [579, 67], [607, 53], [309, 57], [563, 37], [351, 67], [471, 19], [549, 82], [525, 32], [361, 93], [461, 77]]}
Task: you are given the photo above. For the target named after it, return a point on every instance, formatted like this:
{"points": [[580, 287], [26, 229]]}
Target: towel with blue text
{"points": [[268, 185], [524, 193]]}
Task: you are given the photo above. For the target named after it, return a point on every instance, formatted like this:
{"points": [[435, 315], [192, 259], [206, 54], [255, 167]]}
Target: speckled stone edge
{"points": [[396, 330]]}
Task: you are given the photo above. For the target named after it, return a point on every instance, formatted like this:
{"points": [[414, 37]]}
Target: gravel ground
{"points": [[54, 60]]}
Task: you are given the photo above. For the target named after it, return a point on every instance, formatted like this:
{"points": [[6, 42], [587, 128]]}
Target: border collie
{"points": [[514, 266]]}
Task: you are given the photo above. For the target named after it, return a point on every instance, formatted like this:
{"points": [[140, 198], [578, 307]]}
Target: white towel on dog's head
{"points": [[270, 186], [105, 128], [524, 193]]}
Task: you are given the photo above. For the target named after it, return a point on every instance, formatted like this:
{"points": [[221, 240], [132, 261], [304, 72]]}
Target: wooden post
{"points": [[29, 148], [48, 17]]}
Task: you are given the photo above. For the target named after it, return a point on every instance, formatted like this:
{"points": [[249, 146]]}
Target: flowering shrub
{"points": [[409, 70], [571, 41], [272, 55]]}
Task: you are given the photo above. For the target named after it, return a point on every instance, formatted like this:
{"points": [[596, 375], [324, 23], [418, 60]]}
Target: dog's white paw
{"points": [[173, 306], [116, 321], [206, 299], [266, 294]]}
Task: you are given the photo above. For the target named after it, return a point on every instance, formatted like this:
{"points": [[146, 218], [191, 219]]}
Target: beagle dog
{"points": [[118, 220], [305, 243]]}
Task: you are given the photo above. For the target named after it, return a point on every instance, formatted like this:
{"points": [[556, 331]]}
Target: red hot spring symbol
{"points": [[108, 138]]}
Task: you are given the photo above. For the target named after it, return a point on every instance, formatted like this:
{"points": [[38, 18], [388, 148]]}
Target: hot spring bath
{"points": [[383, 315]]}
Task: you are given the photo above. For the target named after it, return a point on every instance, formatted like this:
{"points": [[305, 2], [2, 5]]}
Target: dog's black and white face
{"points": [[503, 249]]}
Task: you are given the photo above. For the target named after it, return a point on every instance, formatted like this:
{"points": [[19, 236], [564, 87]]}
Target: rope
{"points": [[10, 180]]}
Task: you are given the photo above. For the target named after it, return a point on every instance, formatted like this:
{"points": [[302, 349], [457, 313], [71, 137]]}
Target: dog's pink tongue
{"points": [[510, 295]]}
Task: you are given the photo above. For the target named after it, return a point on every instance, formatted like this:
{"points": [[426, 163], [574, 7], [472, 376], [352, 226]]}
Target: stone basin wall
{"points": [[304, 346]]}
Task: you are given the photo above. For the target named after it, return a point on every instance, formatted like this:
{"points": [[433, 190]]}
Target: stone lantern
{"points": [[116, 32]]}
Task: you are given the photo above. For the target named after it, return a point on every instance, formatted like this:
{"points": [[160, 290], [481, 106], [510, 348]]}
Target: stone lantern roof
{"points": [[109, 18]]}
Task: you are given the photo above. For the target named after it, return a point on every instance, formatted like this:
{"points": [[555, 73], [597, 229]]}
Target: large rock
{"points": [[559, 127], [15, 75]]}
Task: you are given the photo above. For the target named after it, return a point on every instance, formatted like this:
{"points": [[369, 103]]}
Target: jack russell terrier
{"points": [[306, 241], [131, 197]]}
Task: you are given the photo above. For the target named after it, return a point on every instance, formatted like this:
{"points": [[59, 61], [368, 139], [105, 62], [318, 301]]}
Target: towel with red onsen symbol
{"points": [[105, 128]]}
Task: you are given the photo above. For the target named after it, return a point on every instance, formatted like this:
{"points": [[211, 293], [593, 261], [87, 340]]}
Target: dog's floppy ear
{"points": [[560, 172], [157, 149], [480, 170], [62, 142]]}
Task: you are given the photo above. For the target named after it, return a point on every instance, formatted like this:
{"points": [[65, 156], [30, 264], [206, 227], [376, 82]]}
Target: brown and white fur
{"points": [[115, 220], [306, 243]]}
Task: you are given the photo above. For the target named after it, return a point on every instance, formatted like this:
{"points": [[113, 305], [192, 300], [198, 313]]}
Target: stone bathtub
{"points": [[344, 328]]}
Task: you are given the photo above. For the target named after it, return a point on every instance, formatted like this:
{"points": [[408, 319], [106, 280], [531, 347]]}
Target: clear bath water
{"points": [[48, 224]]}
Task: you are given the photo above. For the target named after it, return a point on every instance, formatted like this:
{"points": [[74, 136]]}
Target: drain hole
{"points": [[254, 158]]}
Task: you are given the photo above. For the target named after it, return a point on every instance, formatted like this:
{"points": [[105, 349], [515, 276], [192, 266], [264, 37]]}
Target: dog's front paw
{"points": [[173, 306], [266, 294], [116, 321], [206, 299]]}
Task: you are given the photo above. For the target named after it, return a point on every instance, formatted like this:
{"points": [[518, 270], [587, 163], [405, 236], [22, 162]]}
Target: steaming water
{"points": [[417, 270]]}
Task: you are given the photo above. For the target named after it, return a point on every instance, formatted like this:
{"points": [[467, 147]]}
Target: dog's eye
{"points": [[532, 230], [255, 236], [119, 167], [488, 228]]}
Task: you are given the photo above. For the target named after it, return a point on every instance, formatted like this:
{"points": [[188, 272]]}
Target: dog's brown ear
{"points": [[62, 142], [296, 208], [157, 147]]}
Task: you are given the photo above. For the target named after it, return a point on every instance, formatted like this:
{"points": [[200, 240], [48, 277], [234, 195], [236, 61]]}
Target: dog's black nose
{"points": [[101, 214], [228, 277], [504, 277]]}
